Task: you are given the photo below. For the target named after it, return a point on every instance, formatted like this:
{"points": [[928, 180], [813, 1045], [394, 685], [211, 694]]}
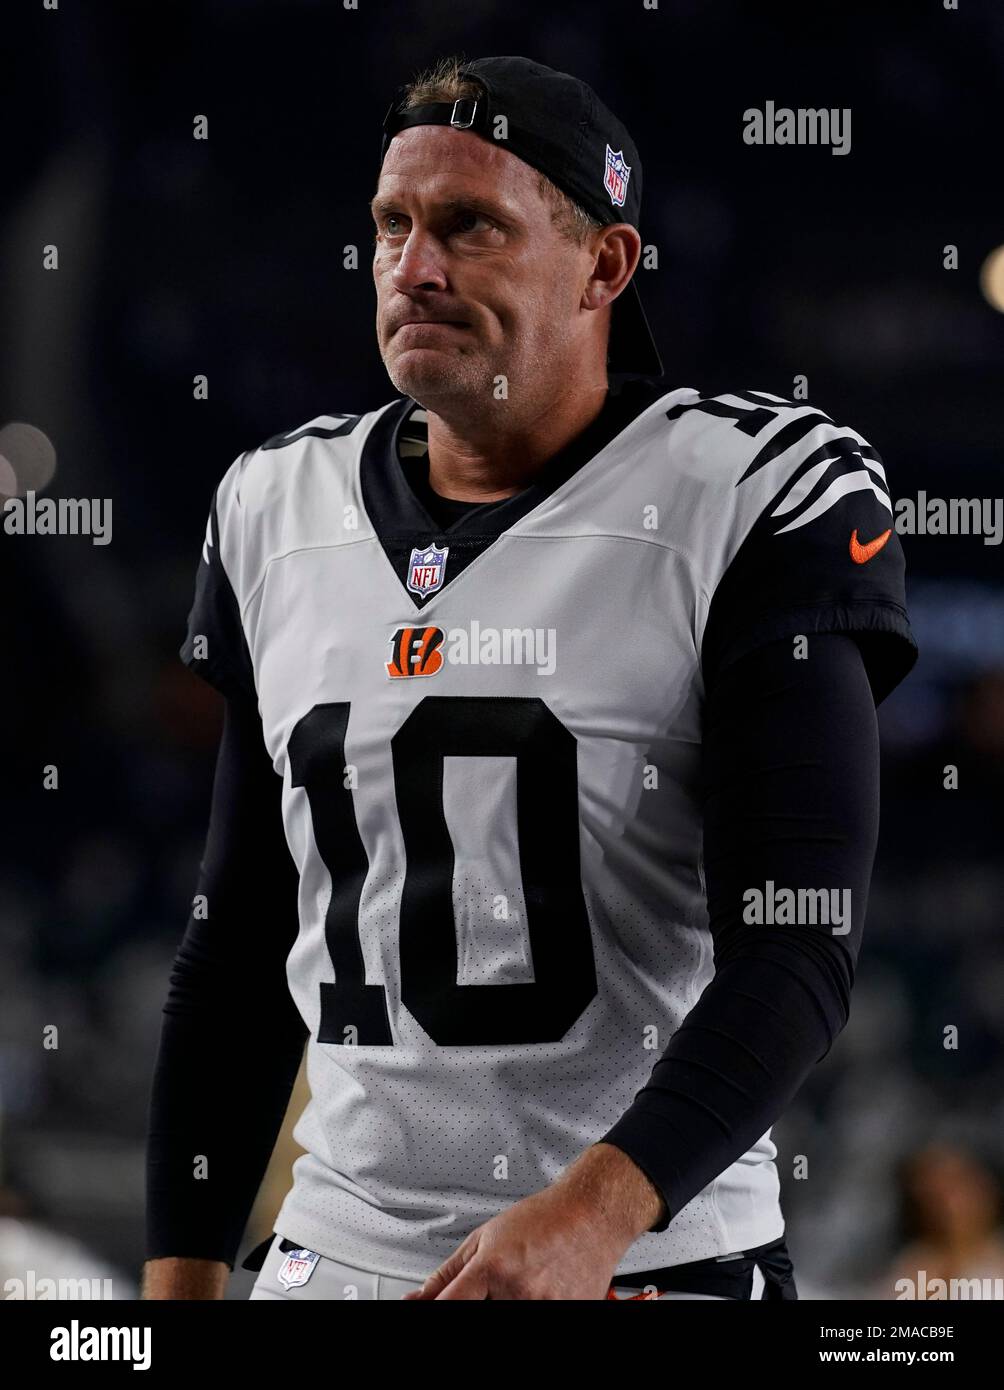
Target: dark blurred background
{"points": [[225, 257]]}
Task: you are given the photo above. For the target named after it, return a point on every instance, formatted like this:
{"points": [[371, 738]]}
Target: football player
{"points": [[546, 801]]}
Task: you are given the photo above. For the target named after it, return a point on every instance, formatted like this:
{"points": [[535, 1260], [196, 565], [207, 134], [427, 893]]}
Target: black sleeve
{"points": [[215, 646], [231, 1038], [791, 798], [823, 556]]}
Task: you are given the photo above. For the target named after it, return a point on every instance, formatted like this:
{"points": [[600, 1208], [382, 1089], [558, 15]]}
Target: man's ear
{"points": [[617, 251]]}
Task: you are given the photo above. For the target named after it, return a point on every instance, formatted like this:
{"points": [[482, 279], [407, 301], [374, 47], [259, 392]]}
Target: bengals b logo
{"points": [[415, 652]]}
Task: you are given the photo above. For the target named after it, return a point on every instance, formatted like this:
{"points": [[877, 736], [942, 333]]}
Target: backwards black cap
{"points": [[559, 126]]}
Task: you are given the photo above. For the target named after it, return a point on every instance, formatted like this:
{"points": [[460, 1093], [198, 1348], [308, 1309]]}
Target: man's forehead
{"points": [[438, 160]]}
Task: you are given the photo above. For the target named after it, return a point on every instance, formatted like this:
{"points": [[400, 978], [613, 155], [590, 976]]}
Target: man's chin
{"points": [[424, 372]]}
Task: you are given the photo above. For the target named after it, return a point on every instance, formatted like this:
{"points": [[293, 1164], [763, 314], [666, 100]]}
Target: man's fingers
{"points": [[469, 1283], [437, 1280], [447, 1271]]}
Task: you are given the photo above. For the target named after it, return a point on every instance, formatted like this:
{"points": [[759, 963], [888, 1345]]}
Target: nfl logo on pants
{"points": [[297, 1268]]}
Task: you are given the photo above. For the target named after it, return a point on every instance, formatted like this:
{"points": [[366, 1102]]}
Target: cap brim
{"points": [[631, 350]]}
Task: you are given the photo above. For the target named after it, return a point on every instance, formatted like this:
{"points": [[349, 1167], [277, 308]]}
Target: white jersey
{"points": [[490, 741]]}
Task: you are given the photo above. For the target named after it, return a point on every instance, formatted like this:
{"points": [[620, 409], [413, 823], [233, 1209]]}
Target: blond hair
{"points": [[444, 81]]}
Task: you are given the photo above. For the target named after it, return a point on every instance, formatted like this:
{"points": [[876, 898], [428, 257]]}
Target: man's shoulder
{"points": [[745, 453], [757, 432], [333, 425], [267, 473]]}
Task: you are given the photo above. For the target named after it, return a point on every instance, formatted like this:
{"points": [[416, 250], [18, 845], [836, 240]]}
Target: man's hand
{"points": [[562, 1243], [184, 1278]]}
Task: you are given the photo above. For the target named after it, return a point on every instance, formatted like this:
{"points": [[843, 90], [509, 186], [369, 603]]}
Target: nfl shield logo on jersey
{"points": [[616, 179], [426, 570], [297, 1268]]}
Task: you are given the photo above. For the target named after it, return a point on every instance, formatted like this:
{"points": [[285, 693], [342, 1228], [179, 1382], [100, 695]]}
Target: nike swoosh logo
{"points": [[861, 554]]}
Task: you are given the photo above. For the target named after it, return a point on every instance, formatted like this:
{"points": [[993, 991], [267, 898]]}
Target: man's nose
{"points": [[420, 264]]}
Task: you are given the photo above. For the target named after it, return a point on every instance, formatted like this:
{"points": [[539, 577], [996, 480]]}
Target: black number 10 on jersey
{"points": [[547, 813]]}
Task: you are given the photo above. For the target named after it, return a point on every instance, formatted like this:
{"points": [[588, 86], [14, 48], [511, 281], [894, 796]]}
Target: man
{"points": [[562, 674]]}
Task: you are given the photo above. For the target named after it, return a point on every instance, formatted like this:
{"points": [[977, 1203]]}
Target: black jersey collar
{"points": [[402, 523]]}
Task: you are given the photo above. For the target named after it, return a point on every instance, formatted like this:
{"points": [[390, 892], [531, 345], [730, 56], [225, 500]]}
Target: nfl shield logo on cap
{"points": [[616, 178], [426, 569]]}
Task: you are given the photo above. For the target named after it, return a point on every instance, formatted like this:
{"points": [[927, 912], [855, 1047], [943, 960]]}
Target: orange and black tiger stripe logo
{"points": [[415, 651]]}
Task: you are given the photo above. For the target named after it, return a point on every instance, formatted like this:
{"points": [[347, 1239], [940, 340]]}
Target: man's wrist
{"points": [[184, 1278], [613, 1191]]}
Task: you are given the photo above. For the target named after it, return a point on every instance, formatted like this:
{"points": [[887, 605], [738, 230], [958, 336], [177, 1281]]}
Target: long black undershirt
{"points": [[443, 510], [231, 1038], [791, 795]]}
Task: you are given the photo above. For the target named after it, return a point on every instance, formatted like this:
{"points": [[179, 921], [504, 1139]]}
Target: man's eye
{"points": [[392, 224], [467, 220]]}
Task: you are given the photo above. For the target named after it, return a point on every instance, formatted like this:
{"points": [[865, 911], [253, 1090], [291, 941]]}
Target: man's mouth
{"points": [[432, 323]]}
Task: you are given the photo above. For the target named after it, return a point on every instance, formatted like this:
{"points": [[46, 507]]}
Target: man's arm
{"points": [[231, 1038], [791, 762]]}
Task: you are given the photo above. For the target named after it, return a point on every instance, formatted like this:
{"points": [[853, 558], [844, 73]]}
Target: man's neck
{"points": [[497, 456]]}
